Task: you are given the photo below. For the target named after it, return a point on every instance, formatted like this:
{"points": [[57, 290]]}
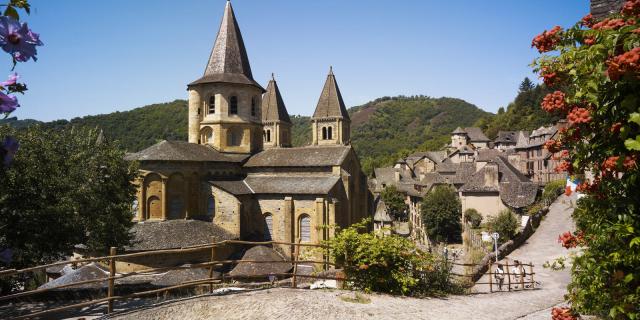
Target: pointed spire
{"points": [[273, 107], [330, 104], [228, 61]]}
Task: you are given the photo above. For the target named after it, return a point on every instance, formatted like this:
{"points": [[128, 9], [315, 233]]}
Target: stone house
{"points": [[238, 170], [533, 160]]}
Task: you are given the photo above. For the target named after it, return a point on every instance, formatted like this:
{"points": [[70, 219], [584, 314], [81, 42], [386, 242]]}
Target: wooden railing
{"points": [[520, 282], [113, 257]]}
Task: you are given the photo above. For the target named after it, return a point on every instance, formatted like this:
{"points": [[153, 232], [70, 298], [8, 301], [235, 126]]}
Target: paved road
{"points": [[328, 304]]}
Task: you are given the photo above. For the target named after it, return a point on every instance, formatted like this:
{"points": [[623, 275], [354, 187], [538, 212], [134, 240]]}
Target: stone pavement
{"points": [[326, 304]]}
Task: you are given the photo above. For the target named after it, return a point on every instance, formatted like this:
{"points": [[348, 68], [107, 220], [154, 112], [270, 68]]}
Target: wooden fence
{"points": [[521, 280], [210, 281]]}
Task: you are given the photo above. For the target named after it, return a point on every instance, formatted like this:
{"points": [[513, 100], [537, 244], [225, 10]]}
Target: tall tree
{"points": [[64, 187], [441, 213], [395, 202], [526, 85]]}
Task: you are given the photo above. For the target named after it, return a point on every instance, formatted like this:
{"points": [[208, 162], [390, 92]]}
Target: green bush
{"points": [[390, 264], [473, 216], [552, 190], [534, 208], [506, 224]]}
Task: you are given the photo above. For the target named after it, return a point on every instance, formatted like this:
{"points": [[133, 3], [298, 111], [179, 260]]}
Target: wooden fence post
{"points": [[295, 265], [508, 274], [531, 273], [213, 258], [112, 274], [490, 277]]}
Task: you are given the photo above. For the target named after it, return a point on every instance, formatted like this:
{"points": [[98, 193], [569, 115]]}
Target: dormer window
{"points": [[212, 105], [233, 105]]}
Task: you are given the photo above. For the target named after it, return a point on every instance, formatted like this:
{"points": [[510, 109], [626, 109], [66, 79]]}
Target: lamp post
{"points": [[495, 237]]}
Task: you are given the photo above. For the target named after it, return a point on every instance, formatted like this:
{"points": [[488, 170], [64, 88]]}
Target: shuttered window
{"points": [[268, 232], [305, 228]]}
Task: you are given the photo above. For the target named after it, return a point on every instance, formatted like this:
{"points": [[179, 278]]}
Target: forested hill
{"points": [[382, 129]]}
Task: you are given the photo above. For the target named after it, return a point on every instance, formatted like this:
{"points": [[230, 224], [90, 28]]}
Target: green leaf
{"points": [[633, 144], [634, 241], [12, 12], [635, 117]]}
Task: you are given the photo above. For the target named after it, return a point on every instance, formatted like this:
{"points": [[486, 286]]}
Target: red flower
{"points": [[609, 24], [560, 313], [553, 101], [615, 128], [568, 240], [626, 63], [631, 8], [563, 166], [549, 77], [629, 162], [636, 31], [587, 21], [547, 40], [567, 191], [552, 146], [579, 115], [611, 164], [589, 41]]}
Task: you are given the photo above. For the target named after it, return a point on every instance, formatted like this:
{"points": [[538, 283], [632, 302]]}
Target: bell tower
{"points": [[224, 104], [275, 118], [330, 123]]}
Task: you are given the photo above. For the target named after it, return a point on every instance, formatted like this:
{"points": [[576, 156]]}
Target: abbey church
{"points": [[239, 169]]}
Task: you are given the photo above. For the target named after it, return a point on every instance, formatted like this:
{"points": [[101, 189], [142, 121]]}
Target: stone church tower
{"points": [[224, 104], [330, 122], [275, 118]]}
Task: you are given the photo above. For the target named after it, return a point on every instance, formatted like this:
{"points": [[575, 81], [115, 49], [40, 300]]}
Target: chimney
{"points": [[491, 175]]}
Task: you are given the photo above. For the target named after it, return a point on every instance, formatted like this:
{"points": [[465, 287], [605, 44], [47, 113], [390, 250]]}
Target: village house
{"points": [[238, 175]]}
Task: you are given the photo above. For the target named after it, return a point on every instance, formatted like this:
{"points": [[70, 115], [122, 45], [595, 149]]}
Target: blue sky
{"points": [[105, 56]]}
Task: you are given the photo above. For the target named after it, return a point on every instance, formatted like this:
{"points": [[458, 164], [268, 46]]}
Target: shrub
{"points": [[506, 224], [552, 190], [473, 216], [390, 264], [395, 202], [441, 213]]}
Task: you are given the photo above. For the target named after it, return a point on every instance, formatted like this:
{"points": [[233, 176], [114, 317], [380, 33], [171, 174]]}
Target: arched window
{"points": [[324, 133], [233, 105], [268, 135], [211, 206], [254, 103], [212, 105], [329, 133], [268, 227], [305, 228]]}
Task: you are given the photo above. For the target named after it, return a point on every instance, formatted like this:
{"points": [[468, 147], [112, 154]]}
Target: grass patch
{"points": [[356, 298]]}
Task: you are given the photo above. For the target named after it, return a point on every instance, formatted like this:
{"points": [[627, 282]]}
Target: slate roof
{"points": [[506, 137], [273, 108], [90, 271], [183, 151], [315, 156], [516, 190], [261, 253], [382, 213], [330, 103], [435, 156], [173, 234], [179, 276], [458, 130], [476, 134], [228, 61], [603, 8], [235, 187], [522, 140], [268, 184], [485, 155]]}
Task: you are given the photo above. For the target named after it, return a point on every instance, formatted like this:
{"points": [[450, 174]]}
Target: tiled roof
{"points": [[330, 103], [273, 108], [179, 276], [183, 151], [506, 137], [173, 234], [458, 130], [476, 134], [313, 156], [485, 155], [603, 8], [235, 187], [90, 271], [261, 253], [268, 184], [228, 61]]}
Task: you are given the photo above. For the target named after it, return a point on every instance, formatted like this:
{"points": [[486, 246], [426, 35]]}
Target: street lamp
{"points": [[495, 237]]}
